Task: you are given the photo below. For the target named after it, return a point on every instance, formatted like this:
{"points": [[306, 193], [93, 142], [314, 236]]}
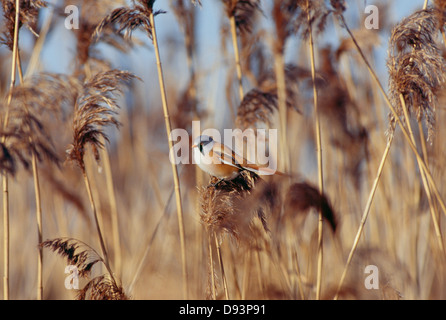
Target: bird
{"points": [[222, 162]]}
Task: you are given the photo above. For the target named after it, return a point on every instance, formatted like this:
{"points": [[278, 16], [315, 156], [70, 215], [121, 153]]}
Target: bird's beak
{"points": [[194, 146]]}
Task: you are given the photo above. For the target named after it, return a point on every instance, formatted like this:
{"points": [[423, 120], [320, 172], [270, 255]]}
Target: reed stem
{"points": [[211, 266], [237, 57], [397, 118], [423, 178], [174, 167], [364, 215], [222, 268], [319, 157], [39, 227], [96, 220], [5, 184], [113, 211]]}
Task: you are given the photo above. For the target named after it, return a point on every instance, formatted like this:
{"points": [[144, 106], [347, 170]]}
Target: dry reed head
{"points": [[125, 20], [77, 253], [313, 16], [96, 107], [29, 10], [87, 57], [301, 16], [416, 67], [342, 115], [102, 288], [293, 75], [303, 196], [25, 134], [84, 258], [186, 15], [223, 207], [440, 6], [243, 12], [259, 105], [256, 110], [284, 16]]}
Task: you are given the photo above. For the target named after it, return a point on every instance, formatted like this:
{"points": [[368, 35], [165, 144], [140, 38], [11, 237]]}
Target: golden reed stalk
{"points": [[176, 179]]}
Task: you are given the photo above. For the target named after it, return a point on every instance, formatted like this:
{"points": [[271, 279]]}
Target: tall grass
{"points": [[87, 149]]}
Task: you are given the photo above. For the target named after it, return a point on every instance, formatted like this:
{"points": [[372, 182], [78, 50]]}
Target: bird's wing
{"points": [[229, 157]]}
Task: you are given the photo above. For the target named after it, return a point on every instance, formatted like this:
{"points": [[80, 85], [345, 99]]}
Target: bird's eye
{"points": [[200, 146]]}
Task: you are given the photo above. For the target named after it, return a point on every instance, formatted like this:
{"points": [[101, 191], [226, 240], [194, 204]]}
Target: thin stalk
{"points": [[245, 282], [151, 240], [398, 120], [5, 176], [5, 238], [38, 198], [39, 227], [364, 215], [35, 55], [211, 263], [96, 220], [113, 212], [174, 167], [423, 178], [237, 57], [299, 278], [319, 159], [279, 66], [260, 272], [225, 284]]}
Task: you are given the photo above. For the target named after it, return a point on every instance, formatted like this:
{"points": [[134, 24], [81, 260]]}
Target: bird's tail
{"points": [[263, 171]]}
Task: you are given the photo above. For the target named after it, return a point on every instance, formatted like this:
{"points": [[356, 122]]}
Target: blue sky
{"points": [[58, 51]]}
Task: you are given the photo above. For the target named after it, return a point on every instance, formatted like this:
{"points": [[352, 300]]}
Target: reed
{"points": [[128, 19], [135, 226]]}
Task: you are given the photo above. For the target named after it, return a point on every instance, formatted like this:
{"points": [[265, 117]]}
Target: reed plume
{"points": [[313, 17], [440, 6], [25, 134], [127, 19], [84, 258], [240, 14], [342, 114], [417, 69], [224, 208], [243, 12], [17, 13], [259, 108], [303, 196], [28, 14], [230, 207], [95, 109]]}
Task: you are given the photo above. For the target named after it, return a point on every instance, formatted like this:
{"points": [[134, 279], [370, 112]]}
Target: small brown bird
{"points": [[222, 162]]}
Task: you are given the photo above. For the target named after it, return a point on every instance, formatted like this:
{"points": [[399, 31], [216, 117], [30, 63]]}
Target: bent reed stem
{"points": [[423, 178], [364, 215], [96, 220], [397, 118]]}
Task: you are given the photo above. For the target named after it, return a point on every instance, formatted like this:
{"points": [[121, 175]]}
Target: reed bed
{"points": [[86, 119]]}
